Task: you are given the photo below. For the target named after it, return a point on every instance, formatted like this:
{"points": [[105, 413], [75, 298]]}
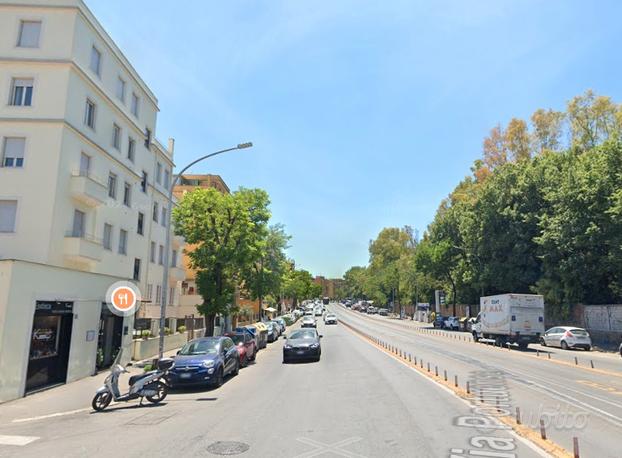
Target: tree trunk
{"points": [[209, 325]]}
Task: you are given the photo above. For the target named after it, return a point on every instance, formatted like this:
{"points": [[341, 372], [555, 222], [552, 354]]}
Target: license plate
{"points": [[300, 352], [185, 375]]}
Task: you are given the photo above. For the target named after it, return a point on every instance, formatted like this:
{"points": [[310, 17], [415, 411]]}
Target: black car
{"points": [[204, 361], [439, 322], [302, 344]]}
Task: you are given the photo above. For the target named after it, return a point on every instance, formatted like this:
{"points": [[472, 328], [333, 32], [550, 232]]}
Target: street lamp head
{"points": [[245, 145]]}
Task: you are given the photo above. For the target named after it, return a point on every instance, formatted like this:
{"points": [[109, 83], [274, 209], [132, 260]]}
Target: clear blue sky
{"points": [[364, 114]]}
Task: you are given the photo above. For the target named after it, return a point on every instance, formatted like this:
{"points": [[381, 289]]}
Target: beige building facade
{"points": [[82, 195]]}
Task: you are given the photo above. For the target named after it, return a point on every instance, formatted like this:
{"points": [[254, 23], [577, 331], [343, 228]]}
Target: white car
{"points": [[452, 323], [567, 337], [330, 319]]}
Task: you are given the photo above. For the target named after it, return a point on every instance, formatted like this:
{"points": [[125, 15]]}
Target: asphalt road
{"points": [[574, 401], [358, 401]]}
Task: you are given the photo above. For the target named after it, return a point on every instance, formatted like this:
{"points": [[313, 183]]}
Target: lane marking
{"points": [[51, 415], [545, 447], [336, 448], [19, 441]]}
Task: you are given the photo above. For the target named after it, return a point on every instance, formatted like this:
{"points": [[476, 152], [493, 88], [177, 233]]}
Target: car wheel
{"points": [[542, 342], [220, 378], [588, 348], [564, 345]]}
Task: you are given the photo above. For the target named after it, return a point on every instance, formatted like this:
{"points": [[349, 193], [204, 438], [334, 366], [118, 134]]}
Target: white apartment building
{"points": [[82, 194]]}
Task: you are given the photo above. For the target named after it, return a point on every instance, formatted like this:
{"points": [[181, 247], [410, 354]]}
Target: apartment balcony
{"points": [[88, 189], [176, 274], [82, 248]]}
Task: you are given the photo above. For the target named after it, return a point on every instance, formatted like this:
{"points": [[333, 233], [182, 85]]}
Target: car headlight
{"points": [[209, 363], [315, 345], [288, 346], [210, 371]]}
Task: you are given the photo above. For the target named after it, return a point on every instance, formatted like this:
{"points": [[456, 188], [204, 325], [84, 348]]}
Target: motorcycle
{"points": [[151, 385]]}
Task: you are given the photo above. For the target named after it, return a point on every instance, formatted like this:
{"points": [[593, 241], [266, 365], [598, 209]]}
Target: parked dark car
{"points": [[247, 350], [620, 349], [302, 344], [383, 312], [205, 361], [439, 322]]}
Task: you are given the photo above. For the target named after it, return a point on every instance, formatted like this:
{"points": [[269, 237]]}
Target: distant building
{"points": [[329, 285]]}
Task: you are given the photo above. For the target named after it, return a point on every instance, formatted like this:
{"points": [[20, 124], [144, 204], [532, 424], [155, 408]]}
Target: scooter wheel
{"points": [[162, 391], [101, 401]]}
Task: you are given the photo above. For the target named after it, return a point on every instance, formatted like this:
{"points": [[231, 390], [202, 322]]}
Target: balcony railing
{"points": [[88, 189]]}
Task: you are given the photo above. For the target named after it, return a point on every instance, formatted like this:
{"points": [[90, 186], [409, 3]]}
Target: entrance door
{"points": [[50, 342], [110, 337]]}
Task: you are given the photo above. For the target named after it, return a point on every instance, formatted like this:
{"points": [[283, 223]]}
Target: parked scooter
{"points": [[151, 385]]}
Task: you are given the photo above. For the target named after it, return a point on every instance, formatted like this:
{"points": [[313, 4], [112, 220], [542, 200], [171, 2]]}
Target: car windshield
{"points": [[303, 334], [237, 338], [200, 347]]}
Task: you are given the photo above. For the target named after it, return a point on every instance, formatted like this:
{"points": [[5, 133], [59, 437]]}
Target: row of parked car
{"points": [[208, 360], [365, 307]]}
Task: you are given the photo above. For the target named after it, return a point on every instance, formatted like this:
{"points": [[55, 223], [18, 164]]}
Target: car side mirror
{"points": [[321, 336], [178, 352]]}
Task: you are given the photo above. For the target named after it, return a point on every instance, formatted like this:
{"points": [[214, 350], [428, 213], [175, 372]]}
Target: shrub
{"points": [[167, 331], [146, 333], [181, 329]]}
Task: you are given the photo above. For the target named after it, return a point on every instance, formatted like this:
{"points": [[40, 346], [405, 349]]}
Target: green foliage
{"points": [[228, 232], [531, 219], [181, 329], [298, 284]]}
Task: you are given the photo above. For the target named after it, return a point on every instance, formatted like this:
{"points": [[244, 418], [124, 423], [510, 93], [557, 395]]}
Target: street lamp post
{"points": [[167, 245]]}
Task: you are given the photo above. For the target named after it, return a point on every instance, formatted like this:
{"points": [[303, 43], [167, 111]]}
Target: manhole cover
{"points": [[227, 448]]}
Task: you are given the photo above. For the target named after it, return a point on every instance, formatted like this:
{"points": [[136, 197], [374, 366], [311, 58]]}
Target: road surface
{"points": [[358, 401]]}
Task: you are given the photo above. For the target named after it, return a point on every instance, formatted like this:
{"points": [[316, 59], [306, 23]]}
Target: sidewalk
{"points": [[64, 399]]}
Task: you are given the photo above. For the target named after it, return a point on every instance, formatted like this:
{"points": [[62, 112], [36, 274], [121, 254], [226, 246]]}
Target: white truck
{"points": [[510, 318]]}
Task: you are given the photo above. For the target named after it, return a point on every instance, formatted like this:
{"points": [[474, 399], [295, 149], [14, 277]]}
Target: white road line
{"points": [[51, 415], [17, 440]]}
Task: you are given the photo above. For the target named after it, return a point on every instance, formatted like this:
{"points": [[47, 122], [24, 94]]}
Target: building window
{"points": [[163, 220], [21, 92], [159, 173], [127, 194], [85, 165], [149, 291], [141, 223], [121, 89], [116, 137], [29, 32], [96, 60], [157, 298], [174, 259], [8, 212], [89, 114], [135, 104], [161, 255], [143, 182], [152, 252], [108, 236], [171, 296], [131, 148], [167, 178], [122, 241], [13, 155], [112, 185], [79, 219], [136, 275], [147, 137], [155, 212]]}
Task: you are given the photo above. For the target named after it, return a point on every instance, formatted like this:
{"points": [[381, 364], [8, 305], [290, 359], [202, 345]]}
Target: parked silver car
{"points": [[567, 337]]}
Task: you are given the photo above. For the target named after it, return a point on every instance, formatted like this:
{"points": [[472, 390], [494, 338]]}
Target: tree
{"points": [[495, 152], [227, 231], [547, 129], [298, 284], [592, 118], [265, 276], [517, 140]]}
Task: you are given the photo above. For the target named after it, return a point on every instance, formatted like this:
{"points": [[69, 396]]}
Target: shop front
{"points": [[50, 341]]}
